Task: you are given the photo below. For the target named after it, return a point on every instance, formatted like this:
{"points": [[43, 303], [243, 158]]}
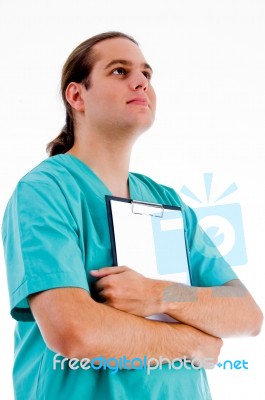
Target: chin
{"points": [[142, 125]]}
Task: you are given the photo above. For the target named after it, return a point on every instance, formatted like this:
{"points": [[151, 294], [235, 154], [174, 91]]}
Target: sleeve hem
{"points": [[20, 309]]}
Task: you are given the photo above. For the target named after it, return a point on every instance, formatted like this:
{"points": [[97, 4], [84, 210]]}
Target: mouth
{"points": [[139, 101]]}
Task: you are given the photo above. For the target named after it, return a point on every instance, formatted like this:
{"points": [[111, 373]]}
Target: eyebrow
{"points": [[128, 63]]}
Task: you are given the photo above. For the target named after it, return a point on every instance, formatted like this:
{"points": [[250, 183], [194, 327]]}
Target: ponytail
{"points": [[64, 141]]}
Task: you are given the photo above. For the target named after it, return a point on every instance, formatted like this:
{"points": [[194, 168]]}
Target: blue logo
{"points": [[237, 364], [222, 223]]}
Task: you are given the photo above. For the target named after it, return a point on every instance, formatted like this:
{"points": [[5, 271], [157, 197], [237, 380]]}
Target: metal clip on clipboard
{"points": [[155, 210]]}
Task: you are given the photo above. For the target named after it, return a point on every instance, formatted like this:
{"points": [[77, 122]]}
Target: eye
{"points": [[119, 71], [147, 75]]}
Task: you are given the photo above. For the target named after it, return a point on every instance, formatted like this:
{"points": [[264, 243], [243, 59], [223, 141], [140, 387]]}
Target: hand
{"points": [[127, 290]]}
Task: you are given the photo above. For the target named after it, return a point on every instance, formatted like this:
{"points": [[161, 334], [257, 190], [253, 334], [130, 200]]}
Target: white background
{"points": [[209, 63]]}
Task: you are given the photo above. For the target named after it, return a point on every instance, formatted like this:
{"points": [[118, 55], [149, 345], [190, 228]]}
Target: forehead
{"points": [[118, 48]]}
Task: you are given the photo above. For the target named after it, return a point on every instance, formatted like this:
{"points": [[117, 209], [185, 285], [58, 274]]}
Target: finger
{"points": [[105, 271], [100, 298], [100, 285], [105, 297]]}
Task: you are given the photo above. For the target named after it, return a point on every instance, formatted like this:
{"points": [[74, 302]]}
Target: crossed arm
{"points": [[75, 325], [221, 311]]}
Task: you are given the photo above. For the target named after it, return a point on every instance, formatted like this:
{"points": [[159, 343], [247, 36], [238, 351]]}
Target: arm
{"points": [[74, 325], [222, 311]]}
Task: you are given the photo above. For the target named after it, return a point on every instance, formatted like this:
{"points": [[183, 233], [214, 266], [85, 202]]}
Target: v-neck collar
{"points": [[134, 190]]}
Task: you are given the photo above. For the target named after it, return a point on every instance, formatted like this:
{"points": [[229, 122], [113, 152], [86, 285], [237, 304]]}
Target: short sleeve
{"points": [[41, 244], [208, 267]]}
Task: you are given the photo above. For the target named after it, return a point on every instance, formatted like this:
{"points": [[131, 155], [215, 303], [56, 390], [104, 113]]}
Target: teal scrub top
{"points": [[55, 230]]}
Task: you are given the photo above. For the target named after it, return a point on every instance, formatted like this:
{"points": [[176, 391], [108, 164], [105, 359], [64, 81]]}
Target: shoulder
{"points": [[54, 176], [46, 172], [44, 184], [45, 193]]}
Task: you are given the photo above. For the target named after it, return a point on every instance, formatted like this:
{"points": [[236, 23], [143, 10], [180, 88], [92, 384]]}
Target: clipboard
{"points": [[149, 238]]}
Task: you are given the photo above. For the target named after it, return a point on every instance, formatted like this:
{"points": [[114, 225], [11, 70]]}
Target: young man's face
{"points": [[120, 97]]}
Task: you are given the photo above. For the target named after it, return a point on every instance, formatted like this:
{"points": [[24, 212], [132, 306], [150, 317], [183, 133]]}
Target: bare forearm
{"points": [[74, 325], [222, 311], [115, 333]]}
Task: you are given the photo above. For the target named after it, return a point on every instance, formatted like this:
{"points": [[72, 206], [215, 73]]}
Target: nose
{"points": [[138, 81]]}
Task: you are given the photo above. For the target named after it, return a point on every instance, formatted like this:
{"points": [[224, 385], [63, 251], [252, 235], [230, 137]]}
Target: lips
{"points": [[142, 101]]}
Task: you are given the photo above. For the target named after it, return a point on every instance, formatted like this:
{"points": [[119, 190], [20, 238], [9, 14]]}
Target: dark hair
{"points": [[78, 68]]}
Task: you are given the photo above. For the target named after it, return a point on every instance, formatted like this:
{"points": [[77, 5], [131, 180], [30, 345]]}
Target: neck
{"points": [[108, 159]]}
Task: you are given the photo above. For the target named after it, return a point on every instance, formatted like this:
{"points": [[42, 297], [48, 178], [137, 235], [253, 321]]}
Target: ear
{"points": [[74, 96]]}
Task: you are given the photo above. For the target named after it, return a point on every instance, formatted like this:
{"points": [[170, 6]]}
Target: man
{"points": [[57, 248]]}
